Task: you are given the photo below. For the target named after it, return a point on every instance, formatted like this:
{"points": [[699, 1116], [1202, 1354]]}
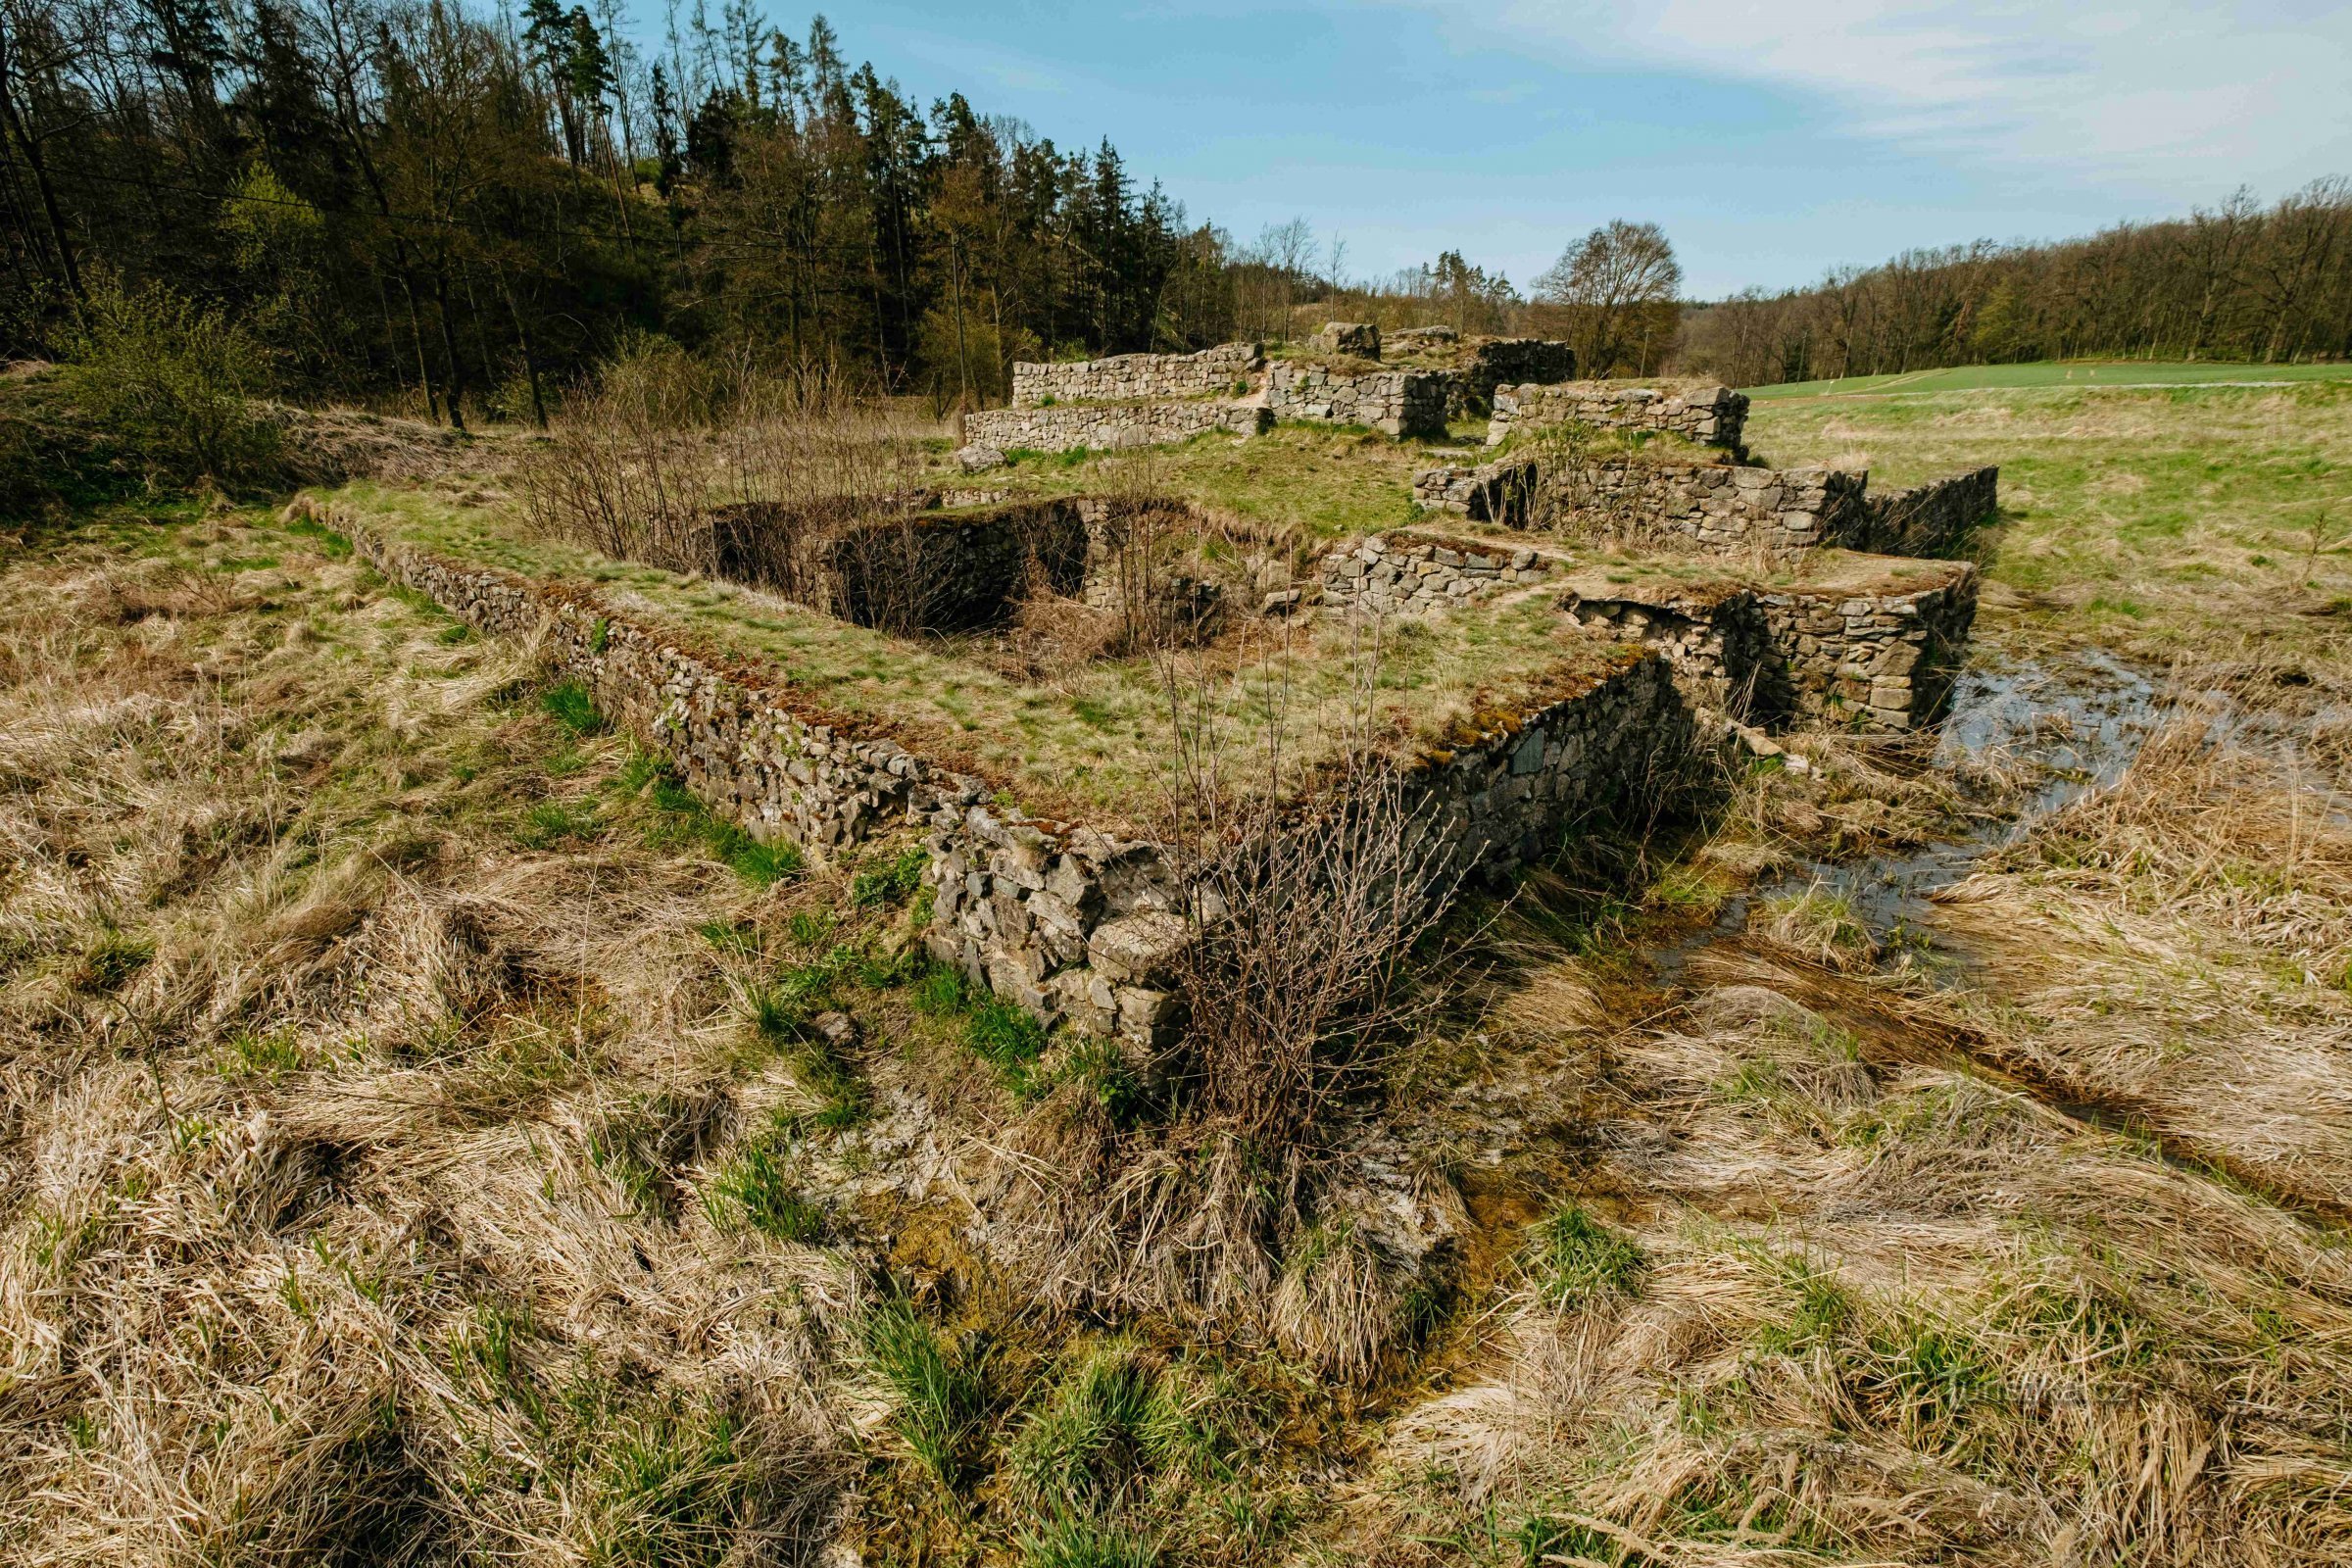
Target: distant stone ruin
{"points": [[1129, 399], [1222, 371], [1704, 412]]}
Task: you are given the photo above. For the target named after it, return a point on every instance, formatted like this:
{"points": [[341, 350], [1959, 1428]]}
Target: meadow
{"points": [[432, 1138]]}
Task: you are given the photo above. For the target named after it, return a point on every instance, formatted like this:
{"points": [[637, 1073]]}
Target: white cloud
{"points": [[2167, 95]]}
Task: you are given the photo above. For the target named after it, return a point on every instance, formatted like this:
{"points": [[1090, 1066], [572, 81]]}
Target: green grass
{"points": [[2162, 522], [1573, 1260], [937, 1389], [680, 817], [1092, 741], [754, 1189], [2056, 373]]}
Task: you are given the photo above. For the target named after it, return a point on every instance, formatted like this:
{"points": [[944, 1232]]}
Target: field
{"points": [[2081, 375], [429, 1137], [2212, 524]]}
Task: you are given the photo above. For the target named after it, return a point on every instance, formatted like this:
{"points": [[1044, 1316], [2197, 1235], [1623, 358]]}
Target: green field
{"points": [[2204, 521], [2058, 372]]}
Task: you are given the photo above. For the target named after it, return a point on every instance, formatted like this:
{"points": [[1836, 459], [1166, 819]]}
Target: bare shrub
{"points": [[788, 481], [1309, 878], [1567, 493]]}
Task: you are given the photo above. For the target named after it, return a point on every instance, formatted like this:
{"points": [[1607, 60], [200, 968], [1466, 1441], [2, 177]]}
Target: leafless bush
{"points": [[1313, 863], [786, 480], [1567, 493]]}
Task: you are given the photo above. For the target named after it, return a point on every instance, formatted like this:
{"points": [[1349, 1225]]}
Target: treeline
{"points": [[2239, 282], [407, 198]]}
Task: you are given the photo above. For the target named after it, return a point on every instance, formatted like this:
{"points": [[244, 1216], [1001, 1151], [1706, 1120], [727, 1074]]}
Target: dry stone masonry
{"points": [[1408, 573], [1220, 372], [1698, 411], [1101, 426], [1873, 657], [1493, 362], [1397, 403], [1073, 923], [1633, 499], [1927, 520]]}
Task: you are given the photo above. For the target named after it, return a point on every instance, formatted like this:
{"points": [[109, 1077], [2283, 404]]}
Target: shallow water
{"points": [[2070, 728]]}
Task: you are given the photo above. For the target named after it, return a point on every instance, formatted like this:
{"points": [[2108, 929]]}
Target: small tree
{"points": [[1618, 289]]}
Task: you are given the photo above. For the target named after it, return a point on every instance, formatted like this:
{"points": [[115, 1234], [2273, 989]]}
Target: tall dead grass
{"points": [[308, 1248], [788, 481]]}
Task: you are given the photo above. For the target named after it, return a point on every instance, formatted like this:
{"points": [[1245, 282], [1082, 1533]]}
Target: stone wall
{"points": [[1123, 377], [1497, 362], [1698, 411], [1875, 658], [1071, 923], [1508, 795], [1715, 507], [1410, 573], [1398, 403], [1101, 426], [1927, 520]]}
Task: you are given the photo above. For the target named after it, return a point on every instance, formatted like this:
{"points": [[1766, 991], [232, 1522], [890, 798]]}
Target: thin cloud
{"points": [[2160, 95]]}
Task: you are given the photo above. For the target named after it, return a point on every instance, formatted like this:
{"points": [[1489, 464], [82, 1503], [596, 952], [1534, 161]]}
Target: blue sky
{"points": [[1770, 140]]}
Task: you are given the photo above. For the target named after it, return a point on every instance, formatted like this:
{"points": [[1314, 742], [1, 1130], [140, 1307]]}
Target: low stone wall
{"points": [[1398, 403], [1508, 795], [1716, 508], [1496, 361], [1927, 520], [1872, 658], [1124, 377], [1101, 426], [1408, 573], [1073, 923], [1698, 410], [1499, 492]]}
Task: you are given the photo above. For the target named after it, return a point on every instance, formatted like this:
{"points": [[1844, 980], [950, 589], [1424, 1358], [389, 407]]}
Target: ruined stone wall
{"points": [[1698, 411], [1715, 507], [1071, 923], [1508, 796], [1101, 426], [1408, 573], [1927, 520], [1398, 403], [1497, 362], [1123, 377], [1874, 658]]}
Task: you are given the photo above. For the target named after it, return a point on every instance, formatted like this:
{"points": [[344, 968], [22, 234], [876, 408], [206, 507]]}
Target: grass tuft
{"points": [[1575, 1261]]}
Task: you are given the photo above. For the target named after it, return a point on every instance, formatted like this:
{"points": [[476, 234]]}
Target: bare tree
{"points": [[1619, 288]]}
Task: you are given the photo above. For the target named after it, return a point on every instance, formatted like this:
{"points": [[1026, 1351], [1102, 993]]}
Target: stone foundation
{"points": [[1131, 377], [1418, 574], [1927, 520], [1872, 658], [1104, 426], [1698, 411], [1071, 923], [1397, 403], [1714, 507]]}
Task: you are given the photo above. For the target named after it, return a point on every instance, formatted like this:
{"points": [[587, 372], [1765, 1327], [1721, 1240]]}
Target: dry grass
{"points": [[2045, 1267], [307, 1248]]}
